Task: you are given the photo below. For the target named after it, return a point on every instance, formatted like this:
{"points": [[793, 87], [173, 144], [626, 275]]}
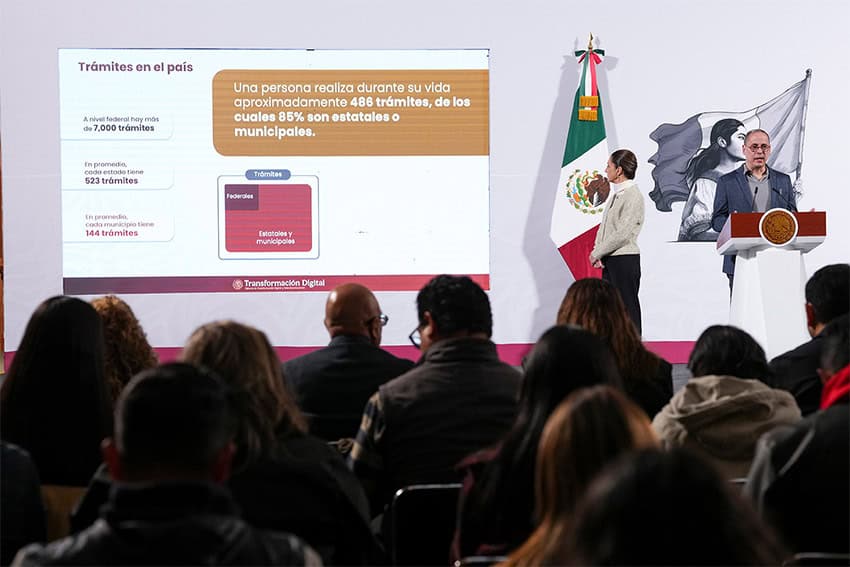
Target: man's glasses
{"points": [[756, 147], [382, 318], [415, 338]]}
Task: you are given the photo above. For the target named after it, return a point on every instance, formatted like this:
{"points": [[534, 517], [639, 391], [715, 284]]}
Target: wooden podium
{"points": [[770, 277]]}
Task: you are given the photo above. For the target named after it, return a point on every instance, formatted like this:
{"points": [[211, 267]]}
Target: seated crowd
{"points": [[584, 456]]}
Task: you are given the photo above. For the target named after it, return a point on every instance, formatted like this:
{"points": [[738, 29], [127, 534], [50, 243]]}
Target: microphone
{"points": [[789, 205], [753, 204]]}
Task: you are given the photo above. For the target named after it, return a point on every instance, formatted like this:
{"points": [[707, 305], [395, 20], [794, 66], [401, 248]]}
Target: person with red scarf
{"points": [[799, 478], [836, 390]]}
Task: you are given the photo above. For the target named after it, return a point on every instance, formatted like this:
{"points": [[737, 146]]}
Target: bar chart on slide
{"points": [[269, 219]]}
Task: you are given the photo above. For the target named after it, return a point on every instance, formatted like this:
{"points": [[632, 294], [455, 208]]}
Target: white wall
{"points": [[667, 60]]}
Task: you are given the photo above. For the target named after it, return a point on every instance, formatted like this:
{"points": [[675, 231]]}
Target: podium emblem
{"points": [[778, 227]]}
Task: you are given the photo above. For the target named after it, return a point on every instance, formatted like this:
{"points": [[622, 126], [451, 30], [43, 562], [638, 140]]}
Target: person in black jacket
{"points": [[331, 384], [282, 478], [172, 450], [22, 513], [796, 371], [458, 399], [799, 477]]}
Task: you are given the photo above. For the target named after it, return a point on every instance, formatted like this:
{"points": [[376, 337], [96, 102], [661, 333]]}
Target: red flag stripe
{"points": [[576, 252]]}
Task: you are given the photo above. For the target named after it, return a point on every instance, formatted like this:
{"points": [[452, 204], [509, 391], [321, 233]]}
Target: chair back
{"points": [[422, 524], [59, 501]]}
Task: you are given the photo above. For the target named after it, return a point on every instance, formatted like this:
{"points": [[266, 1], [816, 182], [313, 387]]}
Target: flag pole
{"points": [[808, 80]]}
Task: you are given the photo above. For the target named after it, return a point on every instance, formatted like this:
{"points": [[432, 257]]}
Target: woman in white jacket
{"points": [[616, 250]]}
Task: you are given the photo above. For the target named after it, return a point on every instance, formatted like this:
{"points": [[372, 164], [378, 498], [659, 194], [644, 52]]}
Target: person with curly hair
{"points": [[127, 349], [596, 305]]}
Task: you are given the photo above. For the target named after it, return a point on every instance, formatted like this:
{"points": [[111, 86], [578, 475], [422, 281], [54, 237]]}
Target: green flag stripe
{"points": [[582, 135]]}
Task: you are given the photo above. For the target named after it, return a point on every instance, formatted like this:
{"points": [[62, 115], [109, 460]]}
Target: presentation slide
{"points": [[240, 170]]}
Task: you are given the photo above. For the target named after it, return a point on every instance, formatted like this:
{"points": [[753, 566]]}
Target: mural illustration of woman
{"points": [[723, 154]]}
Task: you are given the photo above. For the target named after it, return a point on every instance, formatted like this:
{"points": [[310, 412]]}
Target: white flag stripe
{"points": [[567, 222], [588, 85]]}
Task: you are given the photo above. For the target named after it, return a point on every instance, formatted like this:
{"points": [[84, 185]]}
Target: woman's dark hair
{"points": [[247, 362], [128, 351], [627, 160], [667, 508], [596, 305], [564, 359], [728, 351], [709, 158], [54, 401], [587, 431]]}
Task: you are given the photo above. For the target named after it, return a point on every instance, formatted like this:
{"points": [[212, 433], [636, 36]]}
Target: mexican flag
{"points": [[577, 213]]}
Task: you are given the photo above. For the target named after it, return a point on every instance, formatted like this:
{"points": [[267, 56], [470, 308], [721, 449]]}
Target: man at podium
{"points": [[751, 188]]}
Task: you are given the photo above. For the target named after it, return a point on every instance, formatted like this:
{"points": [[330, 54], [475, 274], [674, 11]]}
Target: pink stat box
{"points": [[268, 218]]}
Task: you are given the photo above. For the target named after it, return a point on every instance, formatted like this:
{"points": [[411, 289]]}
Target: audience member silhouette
{"points": [[527, 463], [172, 449], [496, 512], [283, 478], [827, 297], [458, 399], [127, 349], [725, 408], [800, 478], [596, 305], [54, 402], [588, 431], [22, 513], [332, 384], [667, 508]]}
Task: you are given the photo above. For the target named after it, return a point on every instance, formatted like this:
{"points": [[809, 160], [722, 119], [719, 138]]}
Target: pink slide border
{"points": [[247, 284], [675, 352]]}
